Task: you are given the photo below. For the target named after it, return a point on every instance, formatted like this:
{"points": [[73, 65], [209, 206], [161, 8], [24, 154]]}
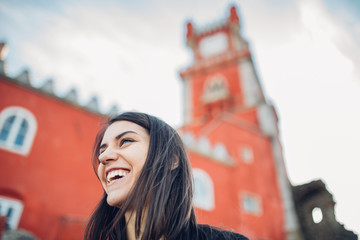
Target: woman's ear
{"points": [[175, 164]]}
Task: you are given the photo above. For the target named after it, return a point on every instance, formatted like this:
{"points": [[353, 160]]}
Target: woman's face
{"points": [[123, 152]]}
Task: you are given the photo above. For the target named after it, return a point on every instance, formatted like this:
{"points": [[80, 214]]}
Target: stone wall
{"points": [[315, 208]]}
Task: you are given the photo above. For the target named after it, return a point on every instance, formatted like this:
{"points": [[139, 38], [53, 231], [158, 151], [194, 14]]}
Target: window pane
{"points": [[5, 130], [12, 209], [19, 141], [251, 204], [200, 189], [10, 213], [203, 190]]}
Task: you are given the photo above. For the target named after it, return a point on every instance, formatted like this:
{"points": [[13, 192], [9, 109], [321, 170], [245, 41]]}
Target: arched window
{"points": [[12, 209], [204, 190], [17, 129]]}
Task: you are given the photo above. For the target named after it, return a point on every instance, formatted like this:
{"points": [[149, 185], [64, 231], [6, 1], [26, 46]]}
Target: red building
{"points": [[47, 185], [232, 135]]}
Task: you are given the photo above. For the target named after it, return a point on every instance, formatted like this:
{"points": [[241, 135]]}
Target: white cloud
{"points": [[110, 51]]}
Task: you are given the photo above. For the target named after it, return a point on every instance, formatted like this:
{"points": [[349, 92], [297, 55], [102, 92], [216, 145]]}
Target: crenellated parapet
{"points": [[217, 44], [201, 145], [48, 87]]}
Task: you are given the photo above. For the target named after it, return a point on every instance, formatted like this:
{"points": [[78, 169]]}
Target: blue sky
{"points": [[130, 53]]}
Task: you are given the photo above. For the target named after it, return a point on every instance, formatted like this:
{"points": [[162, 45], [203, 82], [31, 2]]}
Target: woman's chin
{"points": [[114, 201]]}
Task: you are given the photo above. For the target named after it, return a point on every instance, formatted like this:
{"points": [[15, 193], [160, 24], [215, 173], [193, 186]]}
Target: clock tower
{"points": [[231, 133], [222, 77]]}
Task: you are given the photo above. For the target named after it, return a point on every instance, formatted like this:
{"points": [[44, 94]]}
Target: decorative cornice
{"points": [[213, 63], [47, 88], [93, 104], [72, 96], [24, 77]]}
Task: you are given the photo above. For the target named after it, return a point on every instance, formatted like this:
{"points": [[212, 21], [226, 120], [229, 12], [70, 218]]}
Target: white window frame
{"points": [[20, 114], [206, 201], [17, 208], [256, 205], [247, 154]]}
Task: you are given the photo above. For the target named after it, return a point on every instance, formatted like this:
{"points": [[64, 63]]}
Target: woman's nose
{"points": [[107, 156]]}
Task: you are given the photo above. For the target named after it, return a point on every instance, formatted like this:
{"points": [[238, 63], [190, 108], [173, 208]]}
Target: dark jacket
{"points": [[206, 232]]}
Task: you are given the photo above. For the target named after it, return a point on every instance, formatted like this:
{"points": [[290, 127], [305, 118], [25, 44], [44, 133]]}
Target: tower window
{"points": [[317, 215], [204, 190], [17, 130], [251, 204], [215, 89], [247, 154], [12, 209], [213, 45]]}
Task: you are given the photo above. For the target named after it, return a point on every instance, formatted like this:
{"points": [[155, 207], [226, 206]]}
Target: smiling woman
{"points": [[144, 170], [127, 142]]}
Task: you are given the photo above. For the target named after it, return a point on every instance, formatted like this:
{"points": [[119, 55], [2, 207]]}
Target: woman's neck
{"points": [[130, 218]]}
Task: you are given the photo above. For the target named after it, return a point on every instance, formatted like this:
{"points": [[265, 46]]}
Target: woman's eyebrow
{"points": [[117, 138], [122, 134]]}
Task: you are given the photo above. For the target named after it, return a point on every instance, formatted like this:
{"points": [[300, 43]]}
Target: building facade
{"points": [[232, 135], [47, 184]]}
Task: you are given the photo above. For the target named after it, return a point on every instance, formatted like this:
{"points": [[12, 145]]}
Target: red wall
{"points": [[258, 177], [55, 181]]}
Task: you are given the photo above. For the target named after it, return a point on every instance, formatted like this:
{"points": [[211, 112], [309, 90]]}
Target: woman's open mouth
{"points": [[116, 174]]}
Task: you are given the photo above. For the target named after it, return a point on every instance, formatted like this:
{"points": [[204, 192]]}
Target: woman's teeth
{"points": [[116, 174]]}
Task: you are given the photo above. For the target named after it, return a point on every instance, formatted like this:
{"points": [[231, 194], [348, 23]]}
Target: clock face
{"points": [[213, 45]]}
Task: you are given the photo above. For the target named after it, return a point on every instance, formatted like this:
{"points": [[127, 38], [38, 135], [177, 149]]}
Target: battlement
{"points": [[48, 87]]}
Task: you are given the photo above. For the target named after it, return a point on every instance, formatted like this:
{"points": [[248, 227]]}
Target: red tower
{"points": [[232, 137]]}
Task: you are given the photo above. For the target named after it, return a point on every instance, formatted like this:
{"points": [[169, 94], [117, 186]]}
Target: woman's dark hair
{"points": [[164, 186]]}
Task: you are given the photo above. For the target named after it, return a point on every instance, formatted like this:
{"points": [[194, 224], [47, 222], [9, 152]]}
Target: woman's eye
{"points": [[125, 140], [100, 152]]}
